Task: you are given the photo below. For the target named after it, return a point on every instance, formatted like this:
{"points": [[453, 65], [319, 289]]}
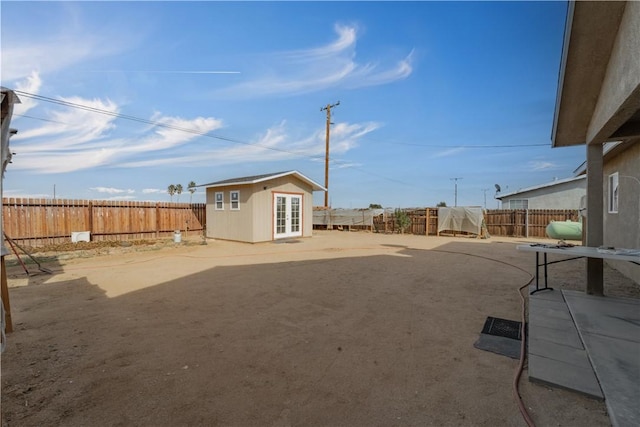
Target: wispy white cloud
{"points": [[334, 65], [121, 198], [345, 165], [60, 49], [111, 190], [19, 193], [274, 144], [31, 84], [347, 37], [151, 191], [448, 152], [74, 139], [541, 165]]}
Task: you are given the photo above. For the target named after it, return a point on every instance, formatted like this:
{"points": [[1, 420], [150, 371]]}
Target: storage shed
{"points": [[261, 208]]}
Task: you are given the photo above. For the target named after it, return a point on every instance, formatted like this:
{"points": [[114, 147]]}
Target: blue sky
{"points": [[428, 91]]}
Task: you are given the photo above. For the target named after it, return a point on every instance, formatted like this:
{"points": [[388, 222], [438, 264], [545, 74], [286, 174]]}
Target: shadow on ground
{"points": [[372, 340]]}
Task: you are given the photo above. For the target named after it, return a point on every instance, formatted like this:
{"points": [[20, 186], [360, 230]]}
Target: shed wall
{"points": [[254, 221], [227, 224]]}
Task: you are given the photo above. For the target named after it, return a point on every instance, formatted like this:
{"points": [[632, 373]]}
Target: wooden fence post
{"points": [[157, 220], [91, 221], [427, 220], [5, 297]]}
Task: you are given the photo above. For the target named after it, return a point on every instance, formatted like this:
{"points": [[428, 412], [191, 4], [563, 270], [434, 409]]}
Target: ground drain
{"points": [[500, 336], [502, 328]]}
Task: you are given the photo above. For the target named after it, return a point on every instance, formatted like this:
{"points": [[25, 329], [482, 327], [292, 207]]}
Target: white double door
{"points": [[287, 215]]}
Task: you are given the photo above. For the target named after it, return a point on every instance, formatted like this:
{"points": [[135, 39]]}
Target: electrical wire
{"points": [[192, 131], [237, 141], [155, 123]]}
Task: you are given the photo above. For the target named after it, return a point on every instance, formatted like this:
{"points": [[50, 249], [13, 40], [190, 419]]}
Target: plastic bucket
{"points": [[177, 237]]}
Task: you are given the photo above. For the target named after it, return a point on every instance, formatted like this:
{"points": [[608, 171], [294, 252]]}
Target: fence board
{"points": [[40, 222]]}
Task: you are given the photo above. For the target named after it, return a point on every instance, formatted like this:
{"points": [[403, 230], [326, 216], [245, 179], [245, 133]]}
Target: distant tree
{"points": [[375, 206], [179, 190], [441, 205], [171, 190], [192, 189], [402, 220]]}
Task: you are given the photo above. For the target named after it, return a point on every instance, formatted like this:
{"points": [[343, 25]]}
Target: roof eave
{"points": [[590, 33]]}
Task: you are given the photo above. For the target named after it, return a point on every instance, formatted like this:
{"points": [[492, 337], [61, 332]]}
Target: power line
{"points": [[467, 146], [208, 135], [153, 123], [227, 139]]}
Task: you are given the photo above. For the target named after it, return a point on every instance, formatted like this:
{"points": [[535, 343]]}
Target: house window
{"points": [[519, 204], [235, 200], [220, 201], [613, 193]]}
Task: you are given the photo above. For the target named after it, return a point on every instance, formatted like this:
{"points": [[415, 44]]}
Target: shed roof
{"points": [[254, 179], [537, 187]]}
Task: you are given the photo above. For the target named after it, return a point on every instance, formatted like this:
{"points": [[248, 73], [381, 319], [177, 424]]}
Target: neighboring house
{"points": [[261, 208], [559, 194], [598, 102]]}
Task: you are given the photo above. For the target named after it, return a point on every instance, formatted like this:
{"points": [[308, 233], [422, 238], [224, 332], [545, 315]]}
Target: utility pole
{"points": [[326, 157], [484, 190], [456, 190]]}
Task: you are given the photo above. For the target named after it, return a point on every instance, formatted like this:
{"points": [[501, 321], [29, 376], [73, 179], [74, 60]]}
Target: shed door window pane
{"points": [[613, 193], [295, 214], [281, 215]]}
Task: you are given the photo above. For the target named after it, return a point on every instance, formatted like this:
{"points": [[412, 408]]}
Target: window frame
{"points": [[613, 190], [236, 201], [219, 207]]}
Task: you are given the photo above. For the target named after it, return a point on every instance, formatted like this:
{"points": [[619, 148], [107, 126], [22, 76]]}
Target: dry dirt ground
{"points": [[341, 329]]}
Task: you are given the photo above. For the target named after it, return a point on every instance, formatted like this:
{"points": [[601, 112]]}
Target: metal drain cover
{"points": [[502, 328]]}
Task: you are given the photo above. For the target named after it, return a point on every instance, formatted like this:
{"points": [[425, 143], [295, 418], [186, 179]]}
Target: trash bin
{"points": [[177, 236]]}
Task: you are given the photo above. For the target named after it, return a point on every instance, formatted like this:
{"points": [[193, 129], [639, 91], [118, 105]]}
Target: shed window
{"points": [[220, 201], [613, 193], [235, 200], [519, 204]]}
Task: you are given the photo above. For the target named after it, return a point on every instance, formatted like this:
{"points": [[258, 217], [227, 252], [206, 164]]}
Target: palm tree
{"points": [[192, 189], [171, 190], [179, 191]]}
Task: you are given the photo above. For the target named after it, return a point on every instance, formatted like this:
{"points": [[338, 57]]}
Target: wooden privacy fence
{"points": [[525, 222], [422, 221], [40, 222], [499, 222]]}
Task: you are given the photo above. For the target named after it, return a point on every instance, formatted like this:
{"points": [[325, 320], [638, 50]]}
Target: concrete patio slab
{"points": [[588, 344], [610, 330]]}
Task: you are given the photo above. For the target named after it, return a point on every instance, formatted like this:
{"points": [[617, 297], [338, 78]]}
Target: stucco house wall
{"points": [[622, 228], [562, 195]]}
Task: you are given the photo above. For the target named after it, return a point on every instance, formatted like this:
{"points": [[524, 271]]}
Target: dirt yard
{"points": [[341, 329]]}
